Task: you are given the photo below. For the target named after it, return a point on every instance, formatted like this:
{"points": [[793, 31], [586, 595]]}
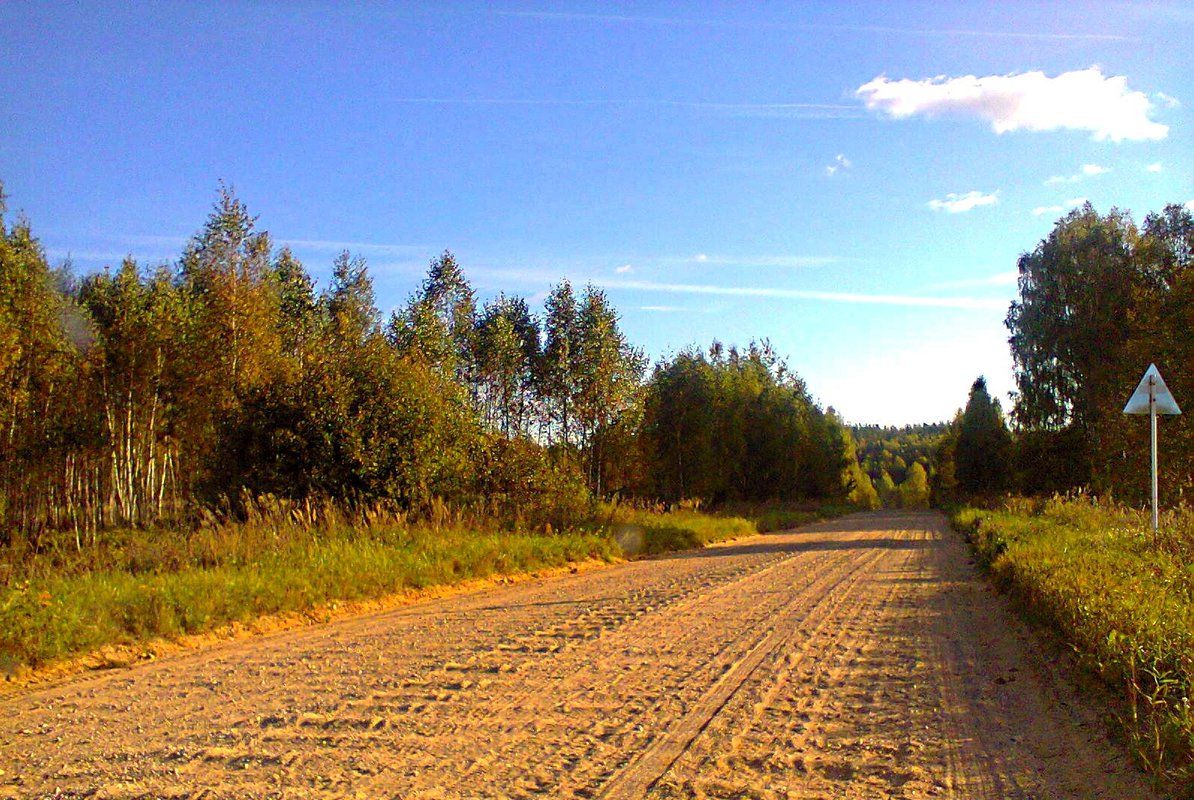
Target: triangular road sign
{"points": [[1152, 384]]}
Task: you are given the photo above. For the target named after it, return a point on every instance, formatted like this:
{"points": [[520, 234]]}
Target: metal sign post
{"points": [[1152, 397]]}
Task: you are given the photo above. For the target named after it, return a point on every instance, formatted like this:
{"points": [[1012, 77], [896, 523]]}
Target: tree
{"points": [[886, 489], [299, 312], [558, 378], [608, 373], [39, 373], [232, 332], [914, 491], [982, 454], [439, 322], [735, 426], [507, 353], [1100, 300], [137, 377]]}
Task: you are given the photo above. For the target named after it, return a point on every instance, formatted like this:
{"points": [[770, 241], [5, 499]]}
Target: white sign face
{"points": [[1152, 384]]}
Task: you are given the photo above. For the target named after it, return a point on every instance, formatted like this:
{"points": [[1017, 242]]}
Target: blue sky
{"points": [[854, 182]]}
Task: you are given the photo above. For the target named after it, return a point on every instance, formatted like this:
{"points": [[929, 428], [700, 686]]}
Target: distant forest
{"points": [[152, 394]]}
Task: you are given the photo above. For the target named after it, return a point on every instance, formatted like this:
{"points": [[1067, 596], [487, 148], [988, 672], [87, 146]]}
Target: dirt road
{"points": [[856, 658]]}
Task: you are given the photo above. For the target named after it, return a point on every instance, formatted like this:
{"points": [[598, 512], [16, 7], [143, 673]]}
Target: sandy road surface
{"points": [[856, 658]]}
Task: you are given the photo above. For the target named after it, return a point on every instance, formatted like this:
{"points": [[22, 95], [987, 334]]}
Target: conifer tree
{"points": [[983, 452]]}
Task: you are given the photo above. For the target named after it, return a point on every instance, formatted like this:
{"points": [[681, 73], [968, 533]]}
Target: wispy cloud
{"points": [[635, 19], [779, 110], [1079, 100], [960, 203], [1007, 278], [1154, 167], [157, 240], [625, 269], [777, 261], [1166, 100], [114, 248], [662, 309], [112, 257], [802, 294], [360, 248], [840, 162], [1057, 209]]}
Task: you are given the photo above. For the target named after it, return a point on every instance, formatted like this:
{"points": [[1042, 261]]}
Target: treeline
{"points": [[1099, 300], [139, 396]]}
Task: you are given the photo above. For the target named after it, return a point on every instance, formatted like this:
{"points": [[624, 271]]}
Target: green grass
{"points": [[685, 529], [50, 617], [127, 586], [657, 530], [1125, 603]]}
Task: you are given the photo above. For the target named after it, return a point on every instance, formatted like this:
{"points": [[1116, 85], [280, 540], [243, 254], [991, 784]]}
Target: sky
{"points": [[853, 182]]}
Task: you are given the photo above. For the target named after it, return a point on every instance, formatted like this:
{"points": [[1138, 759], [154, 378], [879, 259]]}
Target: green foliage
{"points": [[914, 491], [687, 529], [1124, 602], [1100, 299], [734, 426], [145, 396], [982, 453], [886, 454], [151, 400], [38, 358]]}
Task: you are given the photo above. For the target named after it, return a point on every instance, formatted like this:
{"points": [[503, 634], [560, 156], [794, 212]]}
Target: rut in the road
{"points": [[857, 658]]}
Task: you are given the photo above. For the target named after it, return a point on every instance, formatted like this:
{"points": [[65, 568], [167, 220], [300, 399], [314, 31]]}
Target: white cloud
{"points": [[624, 269], [958, 203], [1079, 100], [1166, 100], [1190, 205], [662, 309], [1007, 278], [700, 258], [1153, 167], [802, 294], [1086, 171], [1073, 202], [840, 162]]}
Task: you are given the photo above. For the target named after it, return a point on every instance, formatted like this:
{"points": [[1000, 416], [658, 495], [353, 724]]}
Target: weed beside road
{"points": [[1124, 601]]}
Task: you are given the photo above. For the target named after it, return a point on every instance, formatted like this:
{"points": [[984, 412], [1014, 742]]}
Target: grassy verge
{"points": [[51, 617], [655, 530], [1125, 603], [130, 586]]}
